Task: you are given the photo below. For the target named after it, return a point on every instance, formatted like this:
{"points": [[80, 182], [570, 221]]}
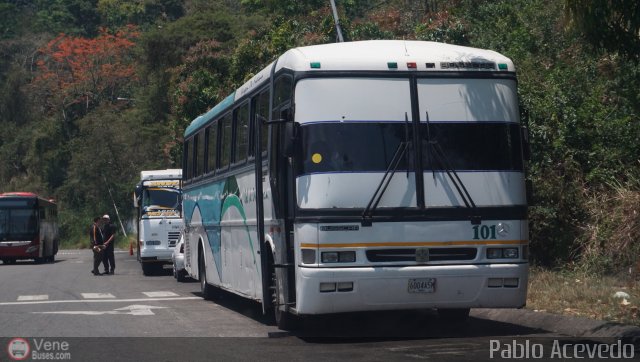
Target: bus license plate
{"points": [[422, 285]]}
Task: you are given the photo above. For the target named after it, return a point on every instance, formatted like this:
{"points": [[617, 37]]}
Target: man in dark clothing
{"points": [[95, 236], [109, 234]]}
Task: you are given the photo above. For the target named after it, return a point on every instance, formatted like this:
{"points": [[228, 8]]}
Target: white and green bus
{"points": [[362, 176]]}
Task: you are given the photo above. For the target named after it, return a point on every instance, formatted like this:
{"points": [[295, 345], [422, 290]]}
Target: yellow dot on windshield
{"points": [[316, 158]]}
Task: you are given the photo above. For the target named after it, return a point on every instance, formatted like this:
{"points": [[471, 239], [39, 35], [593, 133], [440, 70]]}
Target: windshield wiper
{"points": [[367, 214], [440, 156]]}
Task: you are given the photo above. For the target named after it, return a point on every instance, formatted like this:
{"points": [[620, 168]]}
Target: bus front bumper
{"points": [[19, 250], [387, 288], [156, 255]]}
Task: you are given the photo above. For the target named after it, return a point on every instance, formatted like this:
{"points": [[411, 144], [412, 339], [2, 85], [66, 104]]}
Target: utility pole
{"points": [[337, 21], [114, 206]]}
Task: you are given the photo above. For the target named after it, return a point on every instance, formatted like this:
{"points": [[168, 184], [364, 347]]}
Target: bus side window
{"points": [[263, 116], [199, 167], [42, 213], [225, 141], [212, 147], [241, 125], [188, 159], [281, 94]]}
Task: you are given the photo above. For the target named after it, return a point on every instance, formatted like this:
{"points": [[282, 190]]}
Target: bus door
{"points": [[282, 181]]}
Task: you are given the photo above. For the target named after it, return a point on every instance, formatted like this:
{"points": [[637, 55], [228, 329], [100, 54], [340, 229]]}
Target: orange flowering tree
{"points": [[78, 73]]}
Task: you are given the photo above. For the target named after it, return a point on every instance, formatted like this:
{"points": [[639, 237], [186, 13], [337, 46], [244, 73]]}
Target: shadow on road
{"points": [[400, 325], [368, 326]]}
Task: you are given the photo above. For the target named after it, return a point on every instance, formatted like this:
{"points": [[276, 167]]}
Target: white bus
{"points": [[363, 176], [158, 200]]}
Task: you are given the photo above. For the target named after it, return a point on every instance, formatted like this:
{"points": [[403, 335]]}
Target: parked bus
{"points": [[28, 228], [159, 216], [362, 176]]}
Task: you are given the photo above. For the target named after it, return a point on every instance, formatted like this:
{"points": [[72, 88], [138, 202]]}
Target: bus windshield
{"points": [[17, 224], [161, 198], [474, 121]]}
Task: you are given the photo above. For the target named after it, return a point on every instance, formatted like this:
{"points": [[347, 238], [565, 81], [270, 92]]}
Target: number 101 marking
{"points": [[484, 232]]}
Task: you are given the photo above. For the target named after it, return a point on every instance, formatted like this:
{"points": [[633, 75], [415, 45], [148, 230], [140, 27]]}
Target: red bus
{"points": [[28, 228]]}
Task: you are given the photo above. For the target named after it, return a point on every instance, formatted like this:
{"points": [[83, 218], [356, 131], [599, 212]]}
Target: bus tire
{"points": [[454, 314], [284, 320], [148, 269], [205, 288], [181, 276]]}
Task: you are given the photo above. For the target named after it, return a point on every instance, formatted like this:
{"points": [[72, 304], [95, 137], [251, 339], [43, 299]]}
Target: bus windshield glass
{"points": [[474, 121], [161, 198], [17, 224]]}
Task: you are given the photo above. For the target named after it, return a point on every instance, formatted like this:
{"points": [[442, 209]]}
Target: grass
{"points": [[579, 294]]}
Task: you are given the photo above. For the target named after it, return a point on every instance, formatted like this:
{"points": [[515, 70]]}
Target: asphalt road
{"points": [[103, 318]]}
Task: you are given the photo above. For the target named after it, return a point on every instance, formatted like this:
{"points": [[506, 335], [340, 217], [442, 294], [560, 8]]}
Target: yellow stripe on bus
{"points": [[417, 243]]}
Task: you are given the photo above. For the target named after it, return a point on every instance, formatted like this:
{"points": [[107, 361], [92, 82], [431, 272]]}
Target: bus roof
{"points": [[369, 55], [173, 173], [377, 54], [204, 118], [26, 195], [18, 194]]}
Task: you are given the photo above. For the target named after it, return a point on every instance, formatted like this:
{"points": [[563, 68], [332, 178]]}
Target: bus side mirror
{"points": [[285, 115], [289, 139], [137, 195], [289, 132]]}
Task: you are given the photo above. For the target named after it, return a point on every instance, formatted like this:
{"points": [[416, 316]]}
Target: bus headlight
{"points": [[510, 253], [338, 257], [308, 256], [502, 253]]}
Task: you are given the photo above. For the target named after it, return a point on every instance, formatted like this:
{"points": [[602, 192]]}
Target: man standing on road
{"points": [[109, 234], [95, 236]]}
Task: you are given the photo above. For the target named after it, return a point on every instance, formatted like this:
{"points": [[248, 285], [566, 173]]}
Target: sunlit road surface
{"points": [[64, 300]]}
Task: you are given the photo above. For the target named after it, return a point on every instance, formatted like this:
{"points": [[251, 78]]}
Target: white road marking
{"points": [[160, 294], [22, 298], [98, 301], [135, 309], [97, 295]]}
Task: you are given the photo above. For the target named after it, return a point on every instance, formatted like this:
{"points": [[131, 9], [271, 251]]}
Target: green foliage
{"points": [[145, 13], [608, 25], [77, 17], [286, 8], [8, 20], [368, 31], [444, 28]]}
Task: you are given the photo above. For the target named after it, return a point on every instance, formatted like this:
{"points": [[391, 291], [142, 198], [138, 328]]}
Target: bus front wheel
{"points": [[284, 320], [151, 269], [205, 288]]}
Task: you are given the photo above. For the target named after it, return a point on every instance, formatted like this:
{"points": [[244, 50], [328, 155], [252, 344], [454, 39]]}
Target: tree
{"points": [[78, 17], [613, 25], [75, 74]]}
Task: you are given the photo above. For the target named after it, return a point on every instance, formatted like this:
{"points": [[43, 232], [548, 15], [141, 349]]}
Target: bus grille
{"points": [[173, 237], [408, 255]]}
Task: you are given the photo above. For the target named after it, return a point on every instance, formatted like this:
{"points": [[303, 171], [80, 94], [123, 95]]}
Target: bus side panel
{"points": [[201, 210], [239, 236], [222, 215]]}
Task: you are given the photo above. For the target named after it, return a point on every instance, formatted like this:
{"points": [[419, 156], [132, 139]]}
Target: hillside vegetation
{"points": [[93, 91]]}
